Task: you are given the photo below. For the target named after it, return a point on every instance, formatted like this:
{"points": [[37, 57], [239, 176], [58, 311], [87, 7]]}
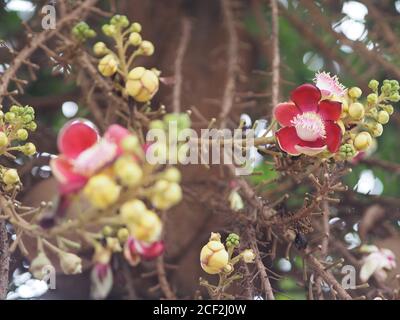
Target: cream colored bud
{"points": [[362, 141], [213, 257], [100, 49], [3, 139], [131, 211], [356, 111], [38, 265], [355, 92], [142, 84], [172, 175], [108, 65], [10, 177], [383, 117], [135, 39], [146, 48], [248, 256], [70, 263]]}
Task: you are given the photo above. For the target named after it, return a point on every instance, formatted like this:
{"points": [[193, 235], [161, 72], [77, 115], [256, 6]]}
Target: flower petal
{"points": [[330, 110], [285, 112], [68, 179], [288, 139], [306, 97], [310, 151], [333, 136], [369, 267], [77, 136]]}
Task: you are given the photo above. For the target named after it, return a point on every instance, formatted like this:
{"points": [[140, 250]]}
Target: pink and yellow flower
{"points": [[135, 250], [83, 152], [308, 123]]}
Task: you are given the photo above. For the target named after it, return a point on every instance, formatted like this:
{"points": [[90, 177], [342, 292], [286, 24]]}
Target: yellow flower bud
{"points": [[148, 228], [38, 265], [142, 84], [136, 27], [166, 194], [131, 211], [100, 49], [107, 231], [10, 177], [22, 134], [29, 149], [235, 201], [213, 257], [70, 263], [173, 193], [362, 141], [377, 130], [146, 48], [123, 235], [108, 65], [172, 175], [3, 140], [113, 244], [130, 144], [248, 256], [383, 117], [135, 39], [356, 111], [355, 92], [101, 191], [130, 175]]}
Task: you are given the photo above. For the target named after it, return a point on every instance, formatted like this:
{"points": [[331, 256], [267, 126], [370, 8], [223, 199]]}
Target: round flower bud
{"points": [[130, 174], [214, 257], [136, 27], [109, 30], [373, 85], [29, 149], [372, 98], [388, 108], [135, 39], [248, 256], [347, 151], [356, 111], [3, 140], [101, 191], [233, 240], [108, 65], [32, 126], [148, 228], [362, 141], [38, 265], [173, 194], [377, 130], [157, 124], [142, 84], [22, 134], [123, 235], [146, 48], [107, 231], [70, 263], [120, 20], [355, 92], [130, 144], [383, 117], [9, 116], [10, 177], [172, 175], [131, 211], [100, 49]]}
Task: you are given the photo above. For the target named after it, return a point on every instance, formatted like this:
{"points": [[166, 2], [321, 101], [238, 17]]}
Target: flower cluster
{"points": [[139, 83], [82, 32], [14, 132], [118, 193], [326, 119], [215, 257]]}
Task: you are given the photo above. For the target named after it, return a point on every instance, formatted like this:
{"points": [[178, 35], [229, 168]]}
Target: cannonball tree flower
{"points": [[83, 152], [308, 123], [135, 250], [378, 262]]}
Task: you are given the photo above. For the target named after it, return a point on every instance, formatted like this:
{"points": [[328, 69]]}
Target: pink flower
{"points": [[135, 250], [308, 123], [329, 85], [377, 263], [83, 152]]}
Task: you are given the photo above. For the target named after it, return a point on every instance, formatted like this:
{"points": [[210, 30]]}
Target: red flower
{"points": [[83, 153], [135, 250], [309, 124]]}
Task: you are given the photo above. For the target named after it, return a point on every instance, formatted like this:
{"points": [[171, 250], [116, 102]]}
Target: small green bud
{"points": [[395, 97], [372, 98], [10, 176], [136, 27], [15, 109], [388, 108], [373, 85], [146, 48], [100, 49], [107, 231], [27, 118], [109, 30], [383, 117], [355, 92], [233, 240], [22, 134], [120, 21], [157, 124], [347, 151], [29, 149], [135, 39], [9, 116], [123, 235]]}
